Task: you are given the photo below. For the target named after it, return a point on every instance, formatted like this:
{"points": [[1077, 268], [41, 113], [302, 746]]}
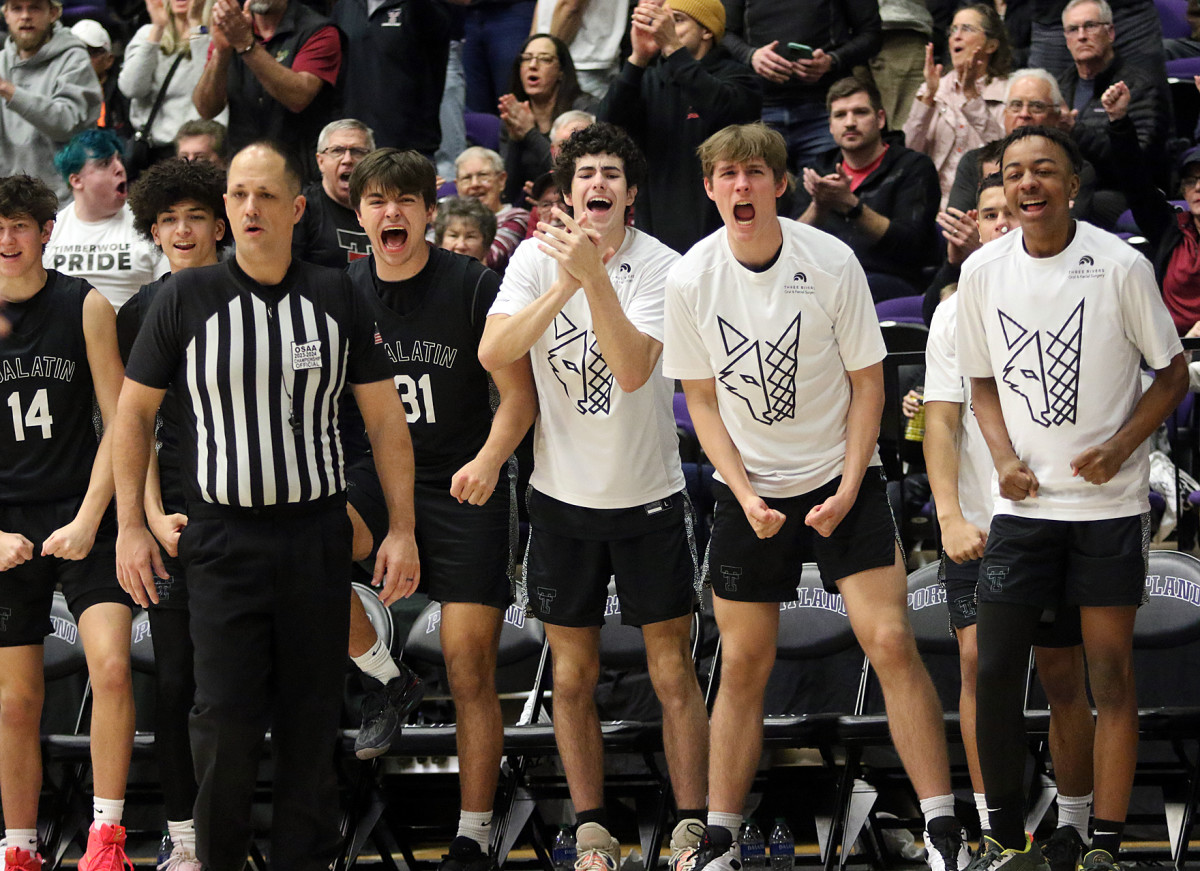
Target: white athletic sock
{"points": [[183, 834], [108, 811], [1073, 811], [733, 822], [377, 662], [477, 826], [937, 806], [26, 839], [982, 809]]}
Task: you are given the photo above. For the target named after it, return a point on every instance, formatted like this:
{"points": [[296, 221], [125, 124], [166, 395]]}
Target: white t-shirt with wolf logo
{"points": [[1063, 337], [779, 344], [595, 445]]}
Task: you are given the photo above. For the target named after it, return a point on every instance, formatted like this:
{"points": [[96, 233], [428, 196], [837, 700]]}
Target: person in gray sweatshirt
{"points": [[48, 90]]}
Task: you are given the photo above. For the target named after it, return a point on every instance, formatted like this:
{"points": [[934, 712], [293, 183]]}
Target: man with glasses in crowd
{"points": [[329, 233], [1088, 28], [1033, 98]]}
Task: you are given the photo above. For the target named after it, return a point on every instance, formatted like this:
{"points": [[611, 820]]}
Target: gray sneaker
{"points": [[685, 842], [596, 849]]}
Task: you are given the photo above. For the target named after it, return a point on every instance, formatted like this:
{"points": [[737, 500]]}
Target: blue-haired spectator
{"points": [[94, 236], [48, 91]]}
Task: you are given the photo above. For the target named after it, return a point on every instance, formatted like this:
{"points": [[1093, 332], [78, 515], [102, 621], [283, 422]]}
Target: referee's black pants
{"points": [[270, 617]]}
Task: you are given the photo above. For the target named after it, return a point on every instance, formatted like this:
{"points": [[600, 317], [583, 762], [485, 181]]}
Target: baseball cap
{"points": [[92, 34]]}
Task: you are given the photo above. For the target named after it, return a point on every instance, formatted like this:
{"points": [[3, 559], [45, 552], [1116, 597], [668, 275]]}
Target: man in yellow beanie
{"points": [[677, 88]]}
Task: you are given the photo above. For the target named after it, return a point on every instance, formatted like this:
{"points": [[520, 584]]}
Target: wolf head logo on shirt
{"points": [[1044, 367], [580, 368], [766, 382]]}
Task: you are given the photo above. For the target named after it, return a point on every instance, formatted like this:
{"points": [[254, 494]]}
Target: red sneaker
{"points": [[105, 850], [16, 859]]}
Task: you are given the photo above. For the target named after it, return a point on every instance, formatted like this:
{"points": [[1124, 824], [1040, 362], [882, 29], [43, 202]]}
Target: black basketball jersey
{"points": [[431, 325], [129, 323], [47, 438], [328, 233]]}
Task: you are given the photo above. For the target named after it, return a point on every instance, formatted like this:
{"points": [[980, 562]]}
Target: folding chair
{"points": [[812, 628], [1166, 623], [522, 641], [621, 649]]}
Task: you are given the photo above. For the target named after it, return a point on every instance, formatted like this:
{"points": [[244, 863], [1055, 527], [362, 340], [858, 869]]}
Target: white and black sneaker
{"points": [[946, 845]]}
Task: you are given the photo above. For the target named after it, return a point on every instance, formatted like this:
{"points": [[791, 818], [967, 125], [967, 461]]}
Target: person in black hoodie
{"points": [[678, 87]]}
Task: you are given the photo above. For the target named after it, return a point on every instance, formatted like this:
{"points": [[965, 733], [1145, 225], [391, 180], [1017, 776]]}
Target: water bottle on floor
{"points": [[164, 849], [783, 846], [754, 853], [564, 852]]}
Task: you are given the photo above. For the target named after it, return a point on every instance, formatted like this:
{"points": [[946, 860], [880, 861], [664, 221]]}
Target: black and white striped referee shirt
{"points": [[258, 373]]}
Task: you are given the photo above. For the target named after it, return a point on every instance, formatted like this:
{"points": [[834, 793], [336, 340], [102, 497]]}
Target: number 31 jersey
{"points": [[47, 439], [430, 326]]}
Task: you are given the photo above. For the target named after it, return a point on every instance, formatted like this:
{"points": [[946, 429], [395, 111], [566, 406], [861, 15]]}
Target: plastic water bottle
{"points": [[783, 846], [164, 849], [564, 853], [754, 852]]}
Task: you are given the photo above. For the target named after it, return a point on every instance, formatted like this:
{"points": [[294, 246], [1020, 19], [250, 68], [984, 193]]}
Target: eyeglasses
{"points": [[476, 176], [1188, 182], [1035, 107], [540, 57], [1088, 27], [965, 29], [340, 151]]}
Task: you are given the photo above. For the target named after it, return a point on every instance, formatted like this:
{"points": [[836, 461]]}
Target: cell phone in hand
{"points": [[795, 51]]}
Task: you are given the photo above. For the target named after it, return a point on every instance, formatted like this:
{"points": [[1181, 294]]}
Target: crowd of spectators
{"points": [[887, 108]]}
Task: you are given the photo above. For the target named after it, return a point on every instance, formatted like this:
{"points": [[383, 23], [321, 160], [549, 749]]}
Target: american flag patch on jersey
{"points": [[378, 336]]}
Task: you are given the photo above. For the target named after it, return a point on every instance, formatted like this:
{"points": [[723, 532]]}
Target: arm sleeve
{"points": [[913, 215], [867, 39], [722, 100], [971, 348], [519, 286], [645, 310], [1148, 325], [158, 347], [136, 79], [1151, 210], [509, 235], [623, 105], [684, 353], [321, 55], [919, 126], [964, 192], [72, 102], [943, 383], [856, 326], [735, 30]]}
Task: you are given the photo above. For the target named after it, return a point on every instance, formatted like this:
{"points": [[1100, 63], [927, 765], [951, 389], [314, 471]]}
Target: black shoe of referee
{"points": [[384, 712]]}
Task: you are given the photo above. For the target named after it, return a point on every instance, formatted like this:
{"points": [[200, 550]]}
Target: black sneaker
{"points": [[716, 852], [1099, 860], [1063, 849], [466, 855], [384, 712]]}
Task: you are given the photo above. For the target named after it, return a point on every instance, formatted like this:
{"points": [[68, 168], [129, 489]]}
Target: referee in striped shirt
{"points": [[261, 348]]}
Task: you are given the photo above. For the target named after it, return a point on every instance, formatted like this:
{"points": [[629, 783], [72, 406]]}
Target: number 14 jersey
{"points": [[47, 439]]}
